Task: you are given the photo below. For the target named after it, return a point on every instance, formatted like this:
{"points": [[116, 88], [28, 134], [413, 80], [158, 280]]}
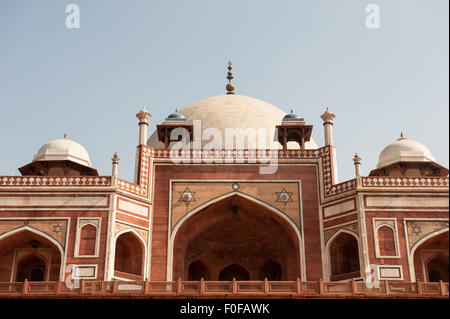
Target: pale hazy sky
{"points": [[306, 55]]}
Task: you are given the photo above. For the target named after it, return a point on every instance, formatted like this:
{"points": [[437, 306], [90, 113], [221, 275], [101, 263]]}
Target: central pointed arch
{"points": [[243, 212]]}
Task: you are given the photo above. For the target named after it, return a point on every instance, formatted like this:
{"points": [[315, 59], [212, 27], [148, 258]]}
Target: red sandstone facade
{"points": [[225, 223]]}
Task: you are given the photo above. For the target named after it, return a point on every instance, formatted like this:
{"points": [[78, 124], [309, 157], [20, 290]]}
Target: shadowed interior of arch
{"points": [[431, 259], [236, 230], [129, 254], [344, 257], [234, 271], [31, 267], [33, 257]]}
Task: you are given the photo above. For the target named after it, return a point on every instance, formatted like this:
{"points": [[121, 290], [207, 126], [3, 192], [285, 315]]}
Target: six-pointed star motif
{"points": [[58, 228], [186, 196], [284, 197], [416, 229]]}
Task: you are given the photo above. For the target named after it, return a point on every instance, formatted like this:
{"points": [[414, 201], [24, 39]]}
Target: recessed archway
{"points": [[270, 270], [234, 271], [26, 254], [198, 270], [31, 267], [236, 230], [344, 257], [437, 268], [129, 256], [431, 259]]}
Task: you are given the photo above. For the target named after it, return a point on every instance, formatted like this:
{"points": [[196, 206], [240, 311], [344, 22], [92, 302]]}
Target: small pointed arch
{"points": [[197, 270], [234, 271], [437, 268], [343, 255], [130, 253], [386, 240], [32, 267], [270, 270], [88, 240]]}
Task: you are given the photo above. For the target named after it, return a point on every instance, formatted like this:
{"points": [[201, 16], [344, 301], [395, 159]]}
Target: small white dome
{"points": [[404, 150], [63, 149], [234, 111]]}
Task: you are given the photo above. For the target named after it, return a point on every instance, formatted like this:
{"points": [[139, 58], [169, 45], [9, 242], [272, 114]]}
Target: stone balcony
{"points": [[224, 289]]}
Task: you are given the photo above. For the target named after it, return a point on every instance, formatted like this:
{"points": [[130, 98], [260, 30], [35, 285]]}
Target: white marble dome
{"points": [[234, 111], [404, 150], [63, 149]]}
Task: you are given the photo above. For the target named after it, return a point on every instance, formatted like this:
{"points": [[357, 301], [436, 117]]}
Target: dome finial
{"points": [[402, 136], [230, 86], [115, 159]]}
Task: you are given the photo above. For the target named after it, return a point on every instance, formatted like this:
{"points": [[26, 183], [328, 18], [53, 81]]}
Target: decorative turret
{"points": [[357, 161], [328, 118], [143, 117], [115, 164], [293, 128], [173, 121]]}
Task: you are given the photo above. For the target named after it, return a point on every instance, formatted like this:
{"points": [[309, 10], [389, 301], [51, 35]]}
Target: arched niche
{"points": [[343, 256], [234, 271], [129, 255], [198, 270]]}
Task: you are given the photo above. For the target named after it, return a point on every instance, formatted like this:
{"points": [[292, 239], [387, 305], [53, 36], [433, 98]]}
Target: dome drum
{"points": [[231, 111]]}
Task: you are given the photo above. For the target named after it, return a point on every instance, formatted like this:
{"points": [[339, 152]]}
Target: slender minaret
{"points": [[357, 161], [143, 117], [115, 164], [328, 118]]}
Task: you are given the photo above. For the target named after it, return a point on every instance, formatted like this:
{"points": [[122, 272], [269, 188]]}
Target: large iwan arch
{"points": [[236, 230]]}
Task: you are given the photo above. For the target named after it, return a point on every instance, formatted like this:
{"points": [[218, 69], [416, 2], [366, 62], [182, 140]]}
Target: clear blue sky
{"points": [[90, 82]]}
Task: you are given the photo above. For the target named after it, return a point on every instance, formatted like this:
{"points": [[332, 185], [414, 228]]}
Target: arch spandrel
{"points": [[353, 228], [120, 228], [418, 229], [190, 196], [55, 228]]}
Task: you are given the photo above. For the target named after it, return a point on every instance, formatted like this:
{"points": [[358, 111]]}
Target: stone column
{"points": [[115, 164], [328, 118], [143, 117], [357, 161]]}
